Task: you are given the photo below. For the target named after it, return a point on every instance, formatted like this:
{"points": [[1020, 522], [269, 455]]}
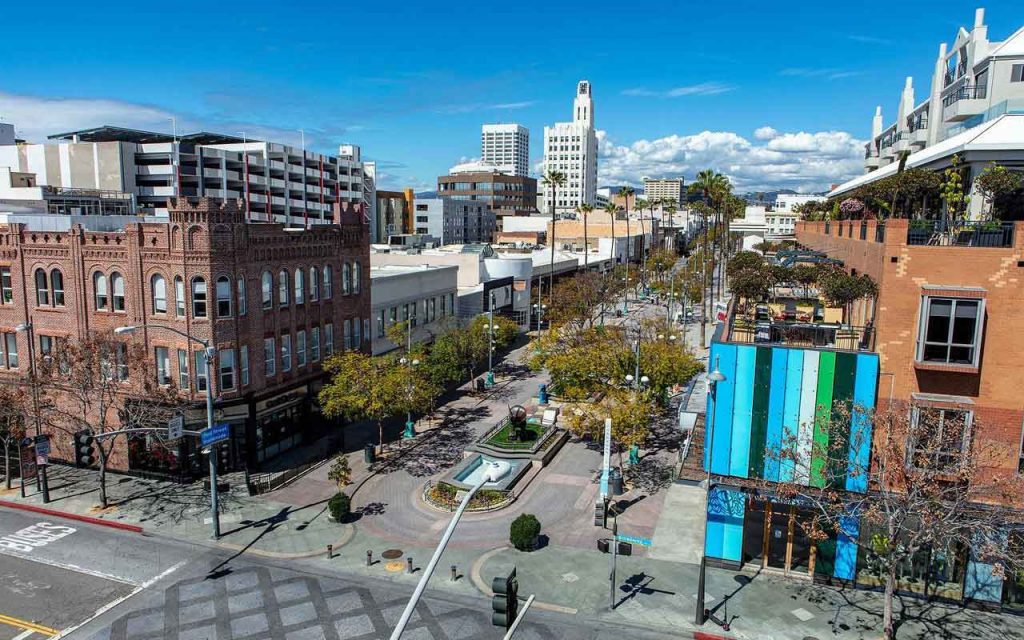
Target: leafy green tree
{"points": [[363, 387], [994, 183], [744, 260], [340, 473], [12, 425], [952, 190]]}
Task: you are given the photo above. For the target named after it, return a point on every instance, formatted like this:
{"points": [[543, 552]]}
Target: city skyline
{"points": [[417, 109]]}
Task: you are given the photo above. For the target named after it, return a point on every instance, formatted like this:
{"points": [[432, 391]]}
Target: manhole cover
{"points": [[392, 554], [395, 567]]}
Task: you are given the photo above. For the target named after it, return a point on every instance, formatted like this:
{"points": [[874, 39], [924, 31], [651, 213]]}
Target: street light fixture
{"points": [[409, 431], [41, 479], [715, 377], [210, 352]]}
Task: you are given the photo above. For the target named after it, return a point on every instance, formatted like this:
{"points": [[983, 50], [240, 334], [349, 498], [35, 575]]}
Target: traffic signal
{"points": [[505, 602], [223, 457], [84, 449]]}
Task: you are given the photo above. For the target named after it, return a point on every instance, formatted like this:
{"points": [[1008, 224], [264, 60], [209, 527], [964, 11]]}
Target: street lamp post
{"points": [[209, 352], [41, 479], [494, 472], [714, 378], [490, 342], [539, 311], [409, 431]]}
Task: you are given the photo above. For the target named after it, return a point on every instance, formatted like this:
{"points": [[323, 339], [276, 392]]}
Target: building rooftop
{"points": [[392, 270], [1000, 134], [108, 133]]}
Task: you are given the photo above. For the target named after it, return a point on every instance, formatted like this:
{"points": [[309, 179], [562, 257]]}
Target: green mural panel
{"points": [[822, 415]]}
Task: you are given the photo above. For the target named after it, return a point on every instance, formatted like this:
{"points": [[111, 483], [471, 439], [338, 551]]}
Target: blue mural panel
{"points": [[724, 538], [776, 407], [791, 410], [846, 548], [719, 440], [743, 400], [865, 388]]}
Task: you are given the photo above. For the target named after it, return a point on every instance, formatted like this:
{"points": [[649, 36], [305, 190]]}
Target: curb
{"points": [[71, 516]]}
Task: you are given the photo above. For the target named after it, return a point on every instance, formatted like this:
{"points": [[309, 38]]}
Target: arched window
{"points": [[328, 284], [158, 286], [314, 284], [57, 285], [243, 303], [267, 286], [357, 274], [179, 297], [223, 297], [198, 297], [283, 284], [117, 284], [300, 286], [100, 293], [42, 288], [346, 278]]}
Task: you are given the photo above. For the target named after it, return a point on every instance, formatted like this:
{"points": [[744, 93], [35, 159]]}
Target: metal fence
{"points": [[973, 233]]}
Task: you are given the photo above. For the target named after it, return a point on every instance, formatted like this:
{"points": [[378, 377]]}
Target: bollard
{"points": [[410, 563], [369, 557], [454, 573], [330, 551]]}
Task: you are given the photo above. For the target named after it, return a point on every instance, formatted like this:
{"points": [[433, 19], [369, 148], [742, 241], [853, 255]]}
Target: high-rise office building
{"points": [[571, 147], [507, 146]]}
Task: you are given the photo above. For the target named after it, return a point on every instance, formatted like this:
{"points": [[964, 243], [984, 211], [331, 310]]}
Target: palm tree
{"points": [[642, 204], [716, 188], [585, 210], [554, 179], [627, 193], [611, 209], [668, 207]]}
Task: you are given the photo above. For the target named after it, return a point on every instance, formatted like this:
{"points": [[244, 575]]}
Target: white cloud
{"points": [[829, 73], [34, 118], [702, 89], [514, 105], [765, 133], [806, 162]]}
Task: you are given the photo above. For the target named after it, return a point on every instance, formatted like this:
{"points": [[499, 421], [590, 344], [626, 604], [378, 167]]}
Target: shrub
{"points": [[524, 531], [339, 506]]}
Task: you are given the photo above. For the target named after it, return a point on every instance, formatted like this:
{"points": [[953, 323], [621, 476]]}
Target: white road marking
{"points": [[71, 567], [110, 605], [23, 635]]}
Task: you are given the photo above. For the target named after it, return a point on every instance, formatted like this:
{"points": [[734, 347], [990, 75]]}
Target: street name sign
{"points": [[644, 542], [215, 434]]}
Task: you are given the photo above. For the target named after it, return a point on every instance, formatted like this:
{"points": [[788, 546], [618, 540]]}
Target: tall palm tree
{"points": [[611, 209], [642, 204], [554, 179], [585, 210], [716, 188], [627, 193]]}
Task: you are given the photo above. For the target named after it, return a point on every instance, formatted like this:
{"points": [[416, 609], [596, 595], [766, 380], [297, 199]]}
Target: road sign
{"points": [[645, 542], [215, 434], [606, 462], [174, 427]]}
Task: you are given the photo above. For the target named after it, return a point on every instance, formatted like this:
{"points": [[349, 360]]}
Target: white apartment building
{"points": [[662, 188], [276, 182], [974, 81], [784, 202], [452, 221], [571, 147], [506, 146]]}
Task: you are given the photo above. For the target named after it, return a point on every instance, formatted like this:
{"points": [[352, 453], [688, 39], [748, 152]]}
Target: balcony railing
{"points": [[979, 92], [941, 233], [803, 334]]}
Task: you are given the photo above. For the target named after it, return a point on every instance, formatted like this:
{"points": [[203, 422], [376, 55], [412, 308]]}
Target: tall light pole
{"points": [[490, 342], [495, 471], [411, 364], [26, 327], [210, 352], [714, 378]]}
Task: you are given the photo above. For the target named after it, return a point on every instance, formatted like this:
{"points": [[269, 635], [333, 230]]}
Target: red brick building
{"points": [[274, 301], [947, 320]]}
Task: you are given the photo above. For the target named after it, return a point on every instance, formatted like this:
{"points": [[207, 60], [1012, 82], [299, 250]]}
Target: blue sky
{"points": [[677, 85]]}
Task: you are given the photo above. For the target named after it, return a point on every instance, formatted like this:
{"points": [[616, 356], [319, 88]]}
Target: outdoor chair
{"points": [[550, 415]]}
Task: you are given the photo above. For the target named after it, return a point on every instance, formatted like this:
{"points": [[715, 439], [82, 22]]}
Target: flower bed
{"points": [[445, 496]]}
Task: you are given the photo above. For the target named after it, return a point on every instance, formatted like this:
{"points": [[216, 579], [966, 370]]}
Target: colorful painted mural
{"points": [[775, 397]]}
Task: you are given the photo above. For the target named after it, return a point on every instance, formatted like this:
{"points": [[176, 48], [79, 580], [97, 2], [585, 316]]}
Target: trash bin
{"points": [[542, 394], [615, 482], [369, 455]]}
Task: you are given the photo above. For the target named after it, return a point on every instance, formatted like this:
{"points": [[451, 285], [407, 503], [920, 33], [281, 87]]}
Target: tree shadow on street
{"points": [[438, 449]]}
